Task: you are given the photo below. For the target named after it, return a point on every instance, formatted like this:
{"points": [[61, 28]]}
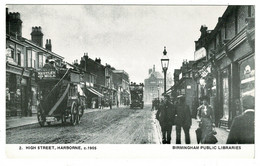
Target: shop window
{"points": [[225, 95]]}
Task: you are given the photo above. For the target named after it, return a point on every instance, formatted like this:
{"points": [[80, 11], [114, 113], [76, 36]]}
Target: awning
{"points": [[95, 92]]}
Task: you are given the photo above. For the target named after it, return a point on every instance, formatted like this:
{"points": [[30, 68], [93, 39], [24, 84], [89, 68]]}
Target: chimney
{"points": [[150, 71], [48, 44], [13, 24], [37, 35], [153, 68]]}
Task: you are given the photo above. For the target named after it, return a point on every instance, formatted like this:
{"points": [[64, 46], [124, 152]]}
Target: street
{"points": [[116, 126]]}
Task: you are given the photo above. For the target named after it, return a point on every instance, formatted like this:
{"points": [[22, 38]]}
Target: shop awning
{"points": [[95, 92]]}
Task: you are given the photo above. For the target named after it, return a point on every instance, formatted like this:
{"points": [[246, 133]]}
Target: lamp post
{"points": [[158, 88], [165, 64]]}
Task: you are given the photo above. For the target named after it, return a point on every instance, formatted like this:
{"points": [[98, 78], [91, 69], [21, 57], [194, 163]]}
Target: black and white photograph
{"points": [[95, 74]]}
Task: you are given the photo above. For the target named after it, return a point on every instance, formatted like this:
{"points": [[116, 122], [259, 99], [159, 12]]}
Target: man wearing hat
{"points": [[242, 130], [165, 115], [183, 120]]}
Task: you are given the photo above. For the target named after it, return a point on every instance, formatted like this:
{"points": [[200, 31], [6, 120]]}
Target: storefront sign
{"points": [[247, 75], [201, 53], [47, 74]]}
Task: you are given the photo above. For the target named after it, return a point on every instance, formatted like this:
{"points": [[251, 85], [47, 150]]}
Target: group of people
{"points": [[170, 114], [177, 113]]}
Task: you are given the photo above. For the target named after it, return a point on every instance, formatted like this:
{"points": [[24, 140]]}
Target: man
{"points": [[242, 130], [165, 115], [183, 120]]}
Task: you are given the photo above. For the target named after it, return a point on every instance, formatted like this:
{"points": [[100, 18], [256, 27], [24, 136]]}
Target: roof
{"points": [[156, 74]]}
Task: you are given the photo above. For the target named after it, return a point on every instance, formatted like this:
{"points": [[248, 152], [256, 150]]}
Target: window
{"points": [[22, 60], [19, 58], [225, 33], [40, 60], [43, 60], [34, 59], [249, 12], [29, 58], [12, 52], [236, 22]]}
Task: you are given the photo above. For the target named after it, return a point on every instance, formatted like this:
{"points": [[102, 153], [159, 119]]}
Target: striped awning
{"points": [[95, 92]]}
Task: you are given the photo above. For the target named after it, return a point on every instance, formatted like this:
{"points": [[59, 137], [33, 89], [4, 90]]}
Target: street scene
{"points": [[115, 74]]}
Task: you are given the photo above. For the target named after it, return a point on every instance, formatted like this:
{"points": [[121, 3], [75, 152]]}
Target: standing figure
{"points": [[110, 103], [183, 120], [207, 119], [165, 116], [242, 130]]}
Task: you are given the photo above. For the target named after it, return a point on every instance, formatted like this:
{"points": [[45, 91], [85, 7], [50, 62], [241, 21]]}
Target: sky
{"points": [[128, 37]]}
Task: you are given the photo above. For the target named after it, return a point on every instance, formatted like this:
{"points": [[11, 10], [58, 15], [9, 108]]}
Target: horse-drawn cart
{"points": [[60, 95]]}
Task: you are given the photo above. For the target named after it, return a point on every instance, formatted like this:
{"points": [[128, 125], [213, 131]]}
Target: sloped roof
{"points": [[156, 74]]}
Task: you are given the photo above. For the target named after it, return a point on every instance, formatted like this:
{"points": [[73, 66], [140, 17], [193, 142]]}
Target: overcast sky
{"points": [[130, 38]]}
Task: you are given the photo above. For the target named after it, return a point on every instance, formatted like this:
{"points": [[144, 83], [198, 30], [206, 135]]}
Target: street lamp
{"points": [[165, 64], [158, 88]]}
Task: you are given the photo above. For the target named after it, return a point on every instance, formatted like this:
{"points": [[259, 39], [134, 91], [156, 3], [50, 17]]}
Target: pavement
{"points": [[13, 122], [221, 135]]}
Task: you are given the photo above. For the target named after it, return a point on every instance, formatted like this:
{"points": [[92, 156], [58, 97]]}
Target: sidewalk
{"points": [[12, 122], [222, 134]]}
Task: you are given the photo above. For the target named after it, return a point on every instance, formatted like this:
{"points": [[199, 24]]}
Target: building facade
{"points": [[121, 79], [153, 86], [23, 58], [228, 72]]}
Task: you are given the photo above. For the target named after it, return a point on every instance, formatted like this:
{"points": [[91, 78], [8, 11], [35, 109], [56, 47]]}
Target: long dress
{"points": [[207, 118]]}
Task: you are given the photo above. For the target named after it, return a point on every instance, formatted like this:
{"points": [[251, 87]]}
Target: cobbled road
{"points": [[116, 126]]}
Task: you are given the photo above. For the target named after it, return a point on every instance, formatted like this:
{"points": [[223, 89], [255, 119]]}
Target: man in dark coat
{"points": [[242, 130], [183, 120], [165, 115]]}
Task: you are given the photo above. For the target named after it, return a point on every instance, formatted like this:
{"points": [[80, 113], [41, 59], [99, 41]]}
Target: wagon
{"points": [[60, 96]]}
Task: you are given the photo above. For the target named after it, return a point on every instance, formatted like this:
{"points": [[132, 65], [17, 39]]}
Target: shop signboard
{"points": [[247, 78], [201, 53], [47, 74]]}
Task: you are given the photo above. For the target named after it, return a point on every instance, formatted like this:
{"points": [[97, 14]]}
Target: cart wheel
{"points": [[41, 118], [73, 117], [63, 118]]}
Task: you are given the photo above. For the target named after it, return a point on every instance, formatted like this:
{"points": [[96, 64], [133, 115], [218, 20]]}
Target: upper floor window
{"points": [[29, 58], [40, 60], [34, 59], [19, 58], [236, 21], [249, 11]]}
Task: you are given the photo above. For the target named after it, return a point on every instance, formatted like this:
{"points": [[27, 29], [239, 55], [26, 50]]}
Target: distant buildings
{"points": [[154, 85]]}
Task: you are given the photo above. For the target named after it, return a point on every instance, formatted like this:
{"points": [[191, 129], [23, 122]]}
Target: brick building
{"points": [[227, 72], [23, 58], [153, 85]]}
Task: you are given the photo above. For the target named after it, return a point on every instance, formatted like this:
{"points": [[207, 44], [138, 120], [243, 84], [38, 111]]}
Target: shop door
{"points": [[24, 99]]}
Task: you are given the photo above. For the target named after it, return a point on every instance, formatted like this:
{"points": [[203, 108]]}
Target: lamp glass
{"points": [[165, 62]]}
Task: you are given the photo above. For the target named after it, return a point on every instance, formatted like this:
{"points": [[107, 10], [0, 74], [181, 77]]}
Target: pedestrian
{"points": [[153, 105], [183, 120], [206, 119], [165, 116], [102, 103], [242, 130], [110, 104]]}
